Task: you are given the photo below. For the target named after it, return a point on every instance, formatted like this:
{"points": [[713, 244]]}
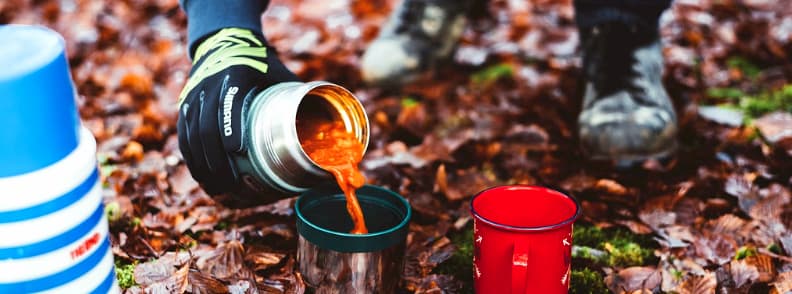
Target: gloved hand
{"points": [[229, 69]]}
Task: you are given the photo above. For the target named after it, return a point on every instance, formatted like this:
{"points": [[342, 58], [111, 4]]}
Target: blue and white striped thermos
{"points": [[53, 232]]}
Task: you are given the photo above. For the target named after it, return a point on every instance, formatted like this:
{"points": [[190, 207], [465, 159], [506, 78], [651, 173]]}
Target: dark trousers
{"points": [[209, 16], [644, 13]]}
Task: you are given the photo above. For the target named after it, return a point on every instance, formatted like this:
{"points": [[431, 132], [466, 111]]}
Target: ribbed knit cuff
{"points": [[205, 17]]}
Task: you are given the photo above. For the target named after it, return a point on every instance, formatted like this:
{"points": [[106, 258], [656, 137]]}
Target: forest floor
{"points": [[503, 111]]}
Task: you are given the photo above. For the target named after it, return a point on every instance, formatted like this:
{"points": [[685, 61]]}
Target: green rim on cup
{"points": [[322, 218]]}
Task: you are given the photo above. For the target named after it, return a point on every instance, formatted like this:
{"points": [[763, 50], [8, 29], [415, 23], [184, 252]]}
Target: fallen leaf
{"points": [[148, 134], [278, 229], [435, 284], [243, 287], [167, 274], [783, 283], [261, 260], [200, 283], [743, 273], [433, 149], [676, 236], [699, 284], [633, 279], [771, 202], [658, 212], [466, 183], [185, 224], [153, 271], [532, 135], [721, 115], [775, 127], [786, 243], [227, 260], [578, 183], [414, 118], [611, 187], [133, 151], [718, 249], [397, 154], [441, 180], [181, 181], [764, 265], [283, 207], [635, 226], [742, 187], [728, 224]]}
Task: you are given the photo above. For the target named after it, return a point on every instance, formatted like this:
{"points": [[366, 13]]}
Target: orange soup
{"points": [[339, 152]]}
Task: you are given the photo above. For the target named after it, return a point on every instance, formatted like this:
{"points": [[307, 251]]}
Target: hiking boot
{"points": [[417, 34], [627, 116]]}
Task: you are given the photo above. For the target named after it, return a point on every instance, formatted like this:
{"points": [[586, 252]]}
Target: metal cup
{"points": [[53, 230], [273, 164], [522, 239], [332, 260]]}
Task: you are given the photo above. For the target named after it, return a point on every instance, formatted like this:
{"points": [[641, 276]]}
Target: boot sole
{"points": [[630, 161]]}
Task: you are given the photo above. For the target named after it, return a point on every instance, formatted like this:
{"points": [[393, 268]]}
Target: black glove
{"points": [[229, 69]]}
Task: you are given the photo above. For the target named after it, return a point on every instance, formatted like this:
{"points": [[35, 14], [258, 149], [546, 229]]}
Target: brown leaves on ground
{"points": [[168, 274], [634, 280], [222, 270], [776, 128], [227, 260], [445, 137], [699, 284]]}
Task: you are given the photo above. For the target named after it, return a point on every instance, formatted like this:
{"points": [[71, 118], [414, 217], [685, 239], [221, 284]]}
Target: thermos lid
{"points": [[38, 115]]}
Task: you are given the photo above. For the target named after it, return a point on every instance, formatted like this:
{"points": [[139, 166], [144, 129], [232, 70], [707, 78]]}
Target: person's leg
{"points": [[418, 33], [627, 116], [589, 13]]}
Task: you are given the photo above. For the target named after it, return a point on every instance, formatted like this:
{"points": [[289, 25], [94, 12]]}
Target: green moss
{"points": [[492, 73], [105, 170], [408, 102], [113, 211], [775, 248], [755, 104], [125, 274], [221, 225], [744, 65], [189, 244], [626, 254], [767, 101], [623, 247], [677, 274], [585, 252], [588, 253], [460, 265], [745, 251], [587, 281], [588, 236], [725, 94], [753, 99], [135, 221]]}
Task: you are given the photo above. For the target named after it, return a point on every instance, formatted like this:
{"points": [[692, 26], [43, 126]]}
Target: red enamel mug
{"points": [[522, 240]]}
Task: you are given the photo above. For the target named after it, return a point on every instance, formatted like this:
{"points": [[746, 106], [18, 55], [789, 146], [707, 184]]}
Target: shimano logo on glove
{"points": [[228, 101]]}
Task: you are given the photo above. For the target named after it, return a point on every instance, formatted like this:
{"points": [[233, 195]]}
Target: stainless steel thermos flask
{"points": [[273, 164]]}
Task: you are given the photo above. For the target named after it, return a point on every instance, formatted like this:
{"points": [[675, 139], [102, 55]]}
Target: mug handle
{"points": [[519, 278]]}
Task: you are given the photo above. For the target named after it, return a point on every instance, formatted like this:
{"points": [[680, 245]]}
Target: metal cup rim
{"points": [[369, 240], [560, 224]]}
